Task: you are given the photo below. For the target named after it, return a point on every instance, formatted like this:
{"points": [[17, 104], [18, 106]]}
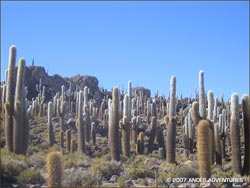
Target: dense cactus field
{"points": [[128, 140]]}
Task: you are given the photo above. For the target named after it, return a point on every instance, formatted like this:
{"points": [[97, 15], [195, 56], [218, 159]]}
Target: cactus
{"points": [[68, 140], [204, 149], [140, 144], [85, 96], [72, 145], [101, 111], [125, 127], [202, 100], [129, 90], [218, 153], [235, 134], [55, 169], [171, 128], [135, 124], [61, 139], [152, 134], [191, 132], [246, 120], [79, 123], [195, 112], [210, 98], [41, 104], [114, 135], [86, 123], [61, 110], [9, 104], [50, 127], [21, 123], [93, 133]]}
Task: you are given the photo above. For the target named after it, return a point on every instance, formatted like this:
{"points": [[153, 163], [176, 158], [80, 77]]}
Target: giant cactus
{"points": [[235, 134], [171, 128], [9, 104], [246, 120], [114, 135], [204, 149], [202, 100], [195, 113], [210, 99], [93, 133], [68, 140], [21, 123], [125, 136], [50, 127], [152, 134], [79, 123], [218, 153], [140, 144]]}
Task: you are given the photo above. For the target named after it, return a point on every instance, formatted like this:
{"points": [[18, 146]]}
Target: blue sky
{"points": [[145, 42]]}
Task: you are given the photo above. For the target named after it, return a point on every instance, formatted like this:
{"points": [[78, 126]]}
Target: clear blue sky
{"points": [[145, 42]]}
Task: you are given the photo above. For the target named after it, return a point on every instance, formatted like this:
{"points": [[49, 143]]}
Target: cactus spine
{"points": [[235, 134], [50, 127], [204, 149], [55, 169], [114, 127], [171, 130], [9, 104], [246, 120]]}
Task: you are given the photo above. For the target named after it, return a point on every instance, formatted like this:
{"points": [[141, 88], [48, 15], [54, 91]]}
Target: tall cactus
{"points": [[87, 123], [125, 136], [61, 110], [202, 100], [195, 112], [114, 136], [218, 153], [68, 140], [235, 134], [9, 104], [93, 133], [246, 120], [140, 144], [191, 132], [73, 145], [50, 127], [55, 169], [210, 99], [21, 123], [152, 134], [171, 130], [79, 123], [204, 149]]}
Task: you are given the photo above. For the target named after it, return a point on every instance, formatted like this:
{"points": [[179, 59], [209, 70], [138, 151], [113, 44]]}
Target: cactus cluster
{"points": [[16, 119], [134, 124]]}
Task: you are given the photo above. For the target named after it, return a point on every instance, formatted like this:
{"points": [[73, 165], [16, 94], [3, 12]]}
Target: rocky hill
{"points": [[53, 83]]}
